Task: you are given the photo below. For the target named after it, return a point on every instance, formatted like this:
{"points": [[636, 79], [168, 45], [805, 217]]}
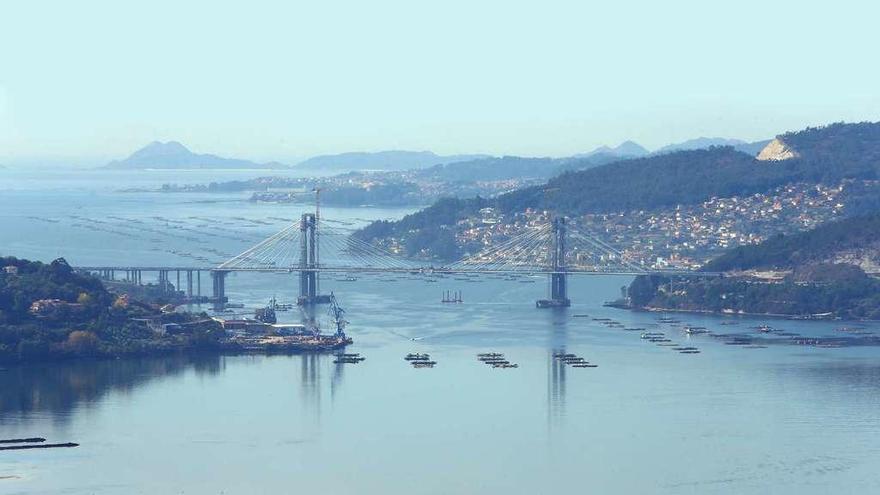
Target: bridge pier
{"points": [[219, 297], [558, 276]]}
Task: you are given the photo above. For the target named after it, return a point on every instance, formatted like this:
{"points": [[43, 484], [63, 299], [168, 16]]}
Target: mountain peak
{"points": [[629, 149], [158, 148], [174, 155]]}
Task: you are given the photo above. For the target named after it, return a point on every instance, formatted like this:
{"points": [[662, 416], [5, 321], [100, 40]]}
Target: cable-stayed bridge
{"points": [[310, 247]]}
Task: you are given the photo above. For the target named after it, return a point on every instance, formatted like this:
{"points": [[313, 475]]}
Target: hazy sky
{"points": [[278, 80]]}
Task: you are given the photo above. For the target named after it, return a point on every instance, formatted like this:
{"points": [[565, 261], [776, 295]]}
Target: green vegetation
{"points": [[828, 155], [814, 284], [51, 312], [846, 293], [428, 230], [814, 246], [838, 150]]}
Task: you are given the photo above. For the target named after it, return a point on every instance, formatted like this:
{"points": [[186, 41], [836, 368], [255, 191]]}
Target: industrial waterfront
{"points": [[647, 419]]}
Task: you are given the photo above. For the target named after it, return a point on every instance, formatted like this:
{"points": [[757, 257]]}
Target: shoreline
{"points": [[230, 349]]}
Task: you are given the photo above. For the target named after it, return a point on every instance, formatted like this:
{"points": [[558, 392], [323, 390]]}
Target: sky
{"points": [[88, 81]]}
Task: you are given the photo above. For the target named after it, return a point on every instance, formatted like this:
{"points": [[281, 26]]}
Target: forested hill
{"points": [[664, 180], [827, 154], [825, 277], [48, 311], [844, 149], [850, 239], [34, 281]]}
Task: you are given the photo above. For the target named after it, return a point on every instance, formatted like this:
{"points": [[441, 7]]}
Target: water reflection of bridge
{"points": [[553, 248], [556, 369]]}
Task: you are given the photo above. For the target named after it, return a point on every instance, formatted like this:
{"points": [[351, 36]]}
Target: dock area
{"points": [[286, 343]]}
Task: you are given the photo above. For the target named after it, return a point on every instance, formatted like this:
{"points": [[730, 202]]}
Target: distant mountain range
{"points": [[626, 149], [631, 149], [394, 160], [173, 155]]}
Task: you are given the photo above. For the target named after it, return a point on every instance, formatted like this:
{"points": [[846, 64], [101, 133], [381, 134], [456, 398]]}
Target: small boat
{"points": [[695, 330], [585, 365]]}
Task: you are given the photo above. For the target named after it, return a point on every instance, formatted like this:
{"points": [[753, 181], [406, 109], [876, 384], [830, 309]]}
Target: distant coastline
{"points": [[708, 312]]}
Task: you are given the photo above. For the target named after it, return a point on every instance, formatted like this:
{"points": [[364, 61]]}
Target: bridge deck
{"points": [[412, 271]]}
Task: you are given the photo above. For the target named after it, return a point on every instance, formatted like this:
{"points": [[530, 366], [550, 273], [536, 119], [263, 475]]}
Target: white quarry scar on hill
{"points": [[776, 151], [864, 258]]}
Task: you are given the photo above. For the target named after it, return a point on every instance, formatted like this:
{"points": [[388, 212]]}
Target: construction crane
{"points": [[336, 312]]}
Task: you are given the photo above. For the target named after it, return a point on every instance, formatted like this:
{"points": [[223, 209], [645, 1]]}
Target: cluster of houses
{"points": [[682, 237]]}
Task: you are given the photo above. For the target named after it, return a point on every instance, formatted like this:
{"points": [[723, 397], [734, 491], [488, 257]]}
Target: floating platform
{"points": [[553, 303], [417, 357]]}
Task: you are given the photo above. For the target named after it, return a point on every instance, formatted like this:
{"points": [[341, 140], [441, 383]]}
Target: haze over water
{"points": [[647, 420]]}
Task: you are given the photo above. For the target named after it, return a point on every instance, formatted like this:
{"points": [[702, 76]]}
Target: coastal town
{"points": [[683, 237]]}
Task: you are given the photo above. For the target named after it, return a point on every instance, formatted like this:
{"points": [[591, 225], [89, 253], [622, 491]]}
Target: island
{"points": [[174, 155]]}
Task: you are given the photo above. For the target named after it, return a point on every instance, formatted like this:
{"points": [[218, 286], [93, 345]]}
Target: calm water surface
{"points": [[785, 419]]}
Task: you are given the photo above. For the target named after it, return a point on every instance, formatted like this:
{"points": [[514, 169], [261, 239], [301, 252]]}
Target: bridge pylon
{"points": [[309, 277], [558, 276]]}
